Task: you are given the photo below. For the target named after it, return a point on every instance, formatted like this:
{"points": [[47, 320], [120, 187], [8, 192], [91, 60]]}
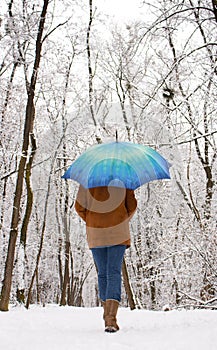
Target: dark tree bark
{"points": [[29, 203], [66, 278], [90, 70], [214, 4], [65, 287], [127, 286]]}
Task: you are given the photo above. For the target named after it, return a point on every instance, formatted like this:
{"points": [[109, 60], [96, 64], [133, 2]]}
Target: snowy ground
{"points": [[64, 328]]}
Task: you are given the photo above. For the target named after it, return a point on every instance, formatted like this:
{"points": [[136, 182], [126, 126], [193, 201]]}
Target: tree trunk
{"points": [[66, 279], [90, 71], [23, 235], [28, 127], [214, 4], [127, 286], [152, 288]]}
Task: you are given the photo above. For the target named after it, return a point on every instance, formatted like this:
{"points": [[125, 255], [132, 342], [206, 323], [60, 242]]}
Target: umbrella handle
{"points": [[116, 134]]}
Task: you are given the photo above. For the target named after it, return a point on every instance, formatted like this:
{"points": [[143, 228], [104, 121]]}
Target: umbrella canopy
{"points": [[118, 164]]}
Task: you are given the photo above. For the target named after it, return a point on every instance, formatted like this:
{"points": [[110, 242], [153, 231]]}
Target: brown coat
{"points": [[106, 211]]}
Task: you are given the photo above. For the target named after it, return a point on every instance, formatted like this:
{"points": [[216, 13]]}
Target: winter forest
{"points": [[71, 75]]}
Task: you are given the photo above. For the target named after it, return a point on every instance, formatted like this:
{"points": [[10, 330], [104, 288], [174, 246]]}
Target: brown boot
{"points": [[111, 308], [104, 309]]}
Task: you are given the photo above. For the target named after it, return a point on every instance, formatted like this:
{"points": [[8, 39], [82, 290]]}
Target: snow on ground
{"points": [[64, 328]]}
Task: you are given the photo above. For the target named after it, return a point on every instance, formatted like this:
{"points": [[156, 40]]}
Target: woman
{"points": [[106, 212]]}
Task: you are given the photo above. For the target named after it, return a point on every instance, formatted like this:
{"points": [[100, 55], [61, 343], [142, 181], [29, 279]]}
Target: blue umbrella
{"points": [[119, 164]]}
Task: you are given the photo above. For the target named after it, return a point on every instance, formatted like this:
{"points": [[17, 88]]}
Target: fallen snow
{"points": [[63, 328]]}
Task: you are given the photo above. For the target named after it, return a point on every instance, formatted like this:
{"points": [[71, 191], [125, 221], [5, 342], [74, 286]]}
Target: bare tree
{"points": [[28, 130]]}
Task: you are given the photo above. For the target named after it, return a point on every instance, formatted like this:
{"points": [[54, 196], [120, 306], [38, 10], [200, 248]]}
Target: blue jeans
{"points": [[109, 262]]}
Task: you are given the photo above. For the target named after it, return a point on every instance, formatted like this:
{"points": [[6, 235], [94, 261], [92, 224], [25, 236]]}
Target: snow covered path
{"points": [[66, 328]]}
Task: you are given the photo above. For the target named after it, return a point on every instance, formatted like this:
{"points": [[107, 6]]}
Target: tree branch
{"points": [[53, 30]]}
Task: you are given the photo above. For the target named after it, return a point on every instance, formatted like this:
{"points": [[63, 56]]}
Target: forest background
{"points": [[71, 75]]}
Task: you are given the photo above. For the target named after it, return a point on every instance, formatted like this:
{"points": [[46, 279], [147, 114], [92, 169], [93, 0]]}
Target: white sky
{"points": [[119, 9], [123, 9]]}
